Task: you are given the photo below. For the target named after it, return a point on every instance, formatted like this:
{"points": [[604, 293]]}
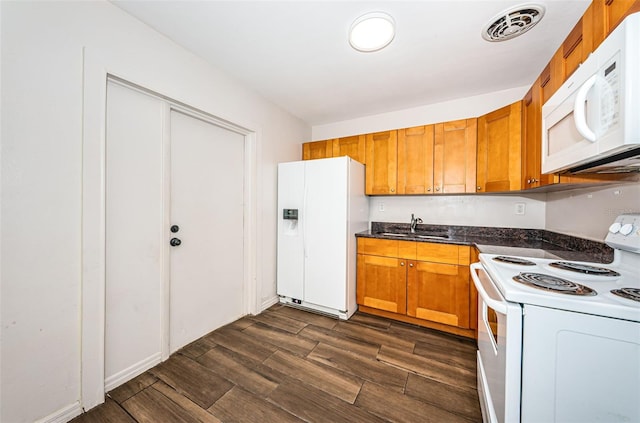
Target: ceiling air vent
{"points": [[513, 22]]}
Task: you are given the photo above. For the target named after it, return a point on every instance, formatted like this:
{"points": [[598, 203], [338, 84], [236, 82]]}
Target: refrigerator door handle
{"points": [[303, 216]]}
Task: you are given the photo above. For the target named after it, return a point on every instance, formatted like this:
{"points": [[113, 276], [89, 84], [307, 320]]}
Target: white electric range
{"points": [[559, 341]]}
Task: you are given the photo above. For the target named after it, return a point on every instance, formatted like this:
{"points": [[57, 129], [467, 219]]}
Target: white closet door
{"points": [[207, 205], [134, 233]]}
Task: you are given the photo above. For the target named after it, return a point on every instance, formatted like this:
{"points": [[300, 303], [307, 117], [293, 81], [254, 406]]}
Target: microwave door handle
{"points": [[495, 303], [579, 112]]}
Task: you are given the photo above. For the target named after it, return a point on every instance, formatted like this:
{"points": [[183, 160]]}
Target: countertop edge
{"points": [[513, 241]]}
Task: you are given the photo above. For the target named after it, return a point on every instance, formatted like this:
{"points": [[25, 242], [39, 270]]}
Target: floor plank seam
{"points": [[296, 365]]}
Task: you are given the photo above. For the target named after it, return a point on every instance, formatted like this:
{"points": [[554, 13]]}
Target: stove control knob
{"points": [[615, 227], [626, 229]]}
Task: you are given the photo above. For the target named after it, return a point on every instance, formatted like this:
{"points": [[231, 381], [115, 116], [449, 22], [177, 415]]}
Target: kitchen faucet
{"points": [[414, 223]]}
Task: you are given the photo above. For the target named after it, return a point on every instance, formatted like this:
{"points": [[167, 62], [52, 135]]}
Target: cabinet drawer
{"points": [[387, 248], [439, 253]]}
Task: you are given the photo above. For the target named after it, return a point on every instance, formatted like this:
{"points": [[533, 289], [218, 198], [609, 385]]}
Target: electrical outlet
{"points": [[381, 207], [520, 208]]}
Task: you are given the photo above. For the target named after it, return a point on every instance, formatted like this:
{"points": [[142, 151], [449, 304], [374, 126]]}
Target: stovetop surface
{"points": [[604, 303]]}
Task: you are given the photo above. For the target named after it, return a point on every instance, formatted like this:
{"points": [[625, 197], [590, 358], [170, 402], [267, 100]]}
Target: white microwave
{"points": [[592, 123]]}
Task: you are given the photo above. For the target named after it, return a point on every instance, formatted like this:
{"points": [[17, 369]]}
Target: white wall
{"points": [[465, 210], [42, 57], [424, 115], [588, 212]]}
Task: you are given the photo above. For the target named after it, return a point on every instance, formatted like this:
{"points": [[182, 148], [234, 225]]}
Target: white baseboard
{"points": [[63, 415], [132, 371], [268, 303]]}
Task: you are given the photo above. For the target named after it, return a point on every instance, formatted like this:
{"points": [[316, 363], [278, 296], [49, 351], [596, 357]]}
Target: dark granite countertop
{"points": [[507, 241]]}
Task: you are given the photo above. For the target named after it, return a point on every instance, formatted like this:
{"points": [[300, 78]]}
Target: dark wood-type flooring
{"points": [[289, 365]]}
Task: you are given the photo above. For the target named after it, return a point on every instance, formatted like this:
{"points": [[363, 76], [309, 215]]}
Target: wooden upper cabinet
{"points": [[546, 85], [500, 149], [381, 163], [415, 160], [454, 156], [575, 47], [607, 14], [597, 22], [532, 137], [317, 150], [353, 147], [532, 176]]}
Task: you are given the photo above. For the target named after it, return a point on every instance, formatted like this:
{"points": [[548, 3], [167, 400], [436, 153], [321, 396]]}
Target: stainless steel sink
{"points": [[406, 235], [432, 236]]}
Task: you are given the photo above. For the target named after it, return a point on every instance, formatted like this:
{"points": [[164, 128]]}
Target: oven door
{"points": [[499, 351]]}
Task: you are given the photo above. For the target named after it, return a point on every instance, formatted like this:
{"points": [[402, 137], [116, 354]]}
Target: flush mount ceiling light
{"points": [[372, 32], [513, 22]]}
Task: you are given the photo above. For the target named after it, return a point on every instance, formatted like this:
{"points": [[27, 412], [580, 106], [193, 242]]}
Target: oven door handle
{"points": [[498, 304]]}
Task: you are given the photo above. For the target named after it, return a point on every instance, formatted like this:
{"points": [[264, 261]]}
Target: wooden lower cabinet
{"points": [[427, 284], [382, 283], [438, 292]]}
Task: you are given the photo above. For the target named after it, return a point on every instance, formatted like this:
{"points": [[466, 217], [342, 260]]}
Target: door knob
{"points": [[175, 228], [175, 242]]}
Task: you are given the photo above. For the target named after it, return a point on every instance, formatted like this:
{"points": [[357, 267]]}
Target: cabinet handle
{"points": [[410, 264], [529, 181], [479, 188], [437, 188], [392, 190], [534, 180], [429, 189], [402, 263]]}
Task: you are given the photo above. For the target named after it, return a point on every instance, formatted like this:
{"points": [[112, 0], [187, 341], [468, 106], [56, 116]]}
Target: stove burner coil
{"points": [[584, 268], [514, 260], [628, 293], [553, 284]]}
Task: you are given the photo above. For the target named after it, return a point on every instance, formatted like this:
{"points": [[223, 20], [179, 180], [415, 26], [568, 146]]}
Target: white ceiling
{"points": [[296, 53]]}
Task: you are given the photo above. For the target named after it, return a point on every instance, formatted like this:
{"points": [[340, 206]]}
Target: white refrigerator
{"points": [[321, 206]]}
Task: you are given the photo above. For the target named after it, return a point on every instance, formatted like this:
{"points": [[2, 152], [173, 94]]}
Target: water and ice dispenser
{"points": [[290, 223]]}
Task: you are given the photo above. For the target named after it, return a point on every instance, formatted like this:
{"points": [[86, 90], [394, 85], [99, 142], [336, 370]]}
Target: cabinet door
{"points": [[353, 147], [415, 160], [500, 149], [438, 292], [551, 76], [382, 283], [317, 150], [532, 140], [473, 295], [607, 14], [531, 134], [454, 151], [382, 159], [575, 48]]}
